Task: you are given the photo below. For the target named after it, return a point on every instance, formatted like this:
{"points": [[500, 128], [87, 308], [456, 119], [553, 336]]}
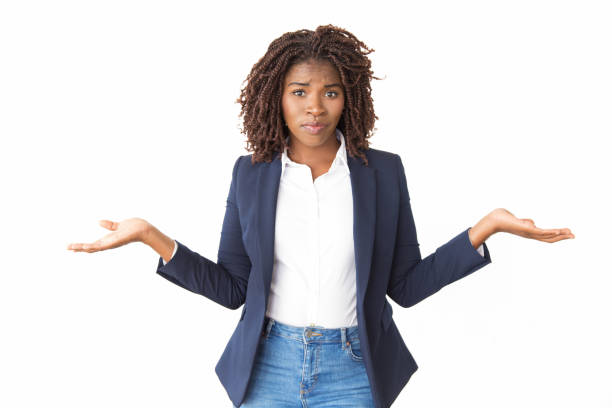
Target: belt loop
{"points": [[343, 337], [269, 326]]}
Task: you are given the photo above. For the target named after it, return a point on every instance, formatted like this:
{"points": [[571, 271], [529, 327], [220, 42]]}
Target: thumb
{"points": [[109, 224], [528, 220]]}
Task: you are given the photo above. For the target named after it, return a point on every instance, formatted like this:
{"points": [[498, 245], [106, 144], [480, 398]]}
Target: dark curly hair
{"points": [[261, 97]]}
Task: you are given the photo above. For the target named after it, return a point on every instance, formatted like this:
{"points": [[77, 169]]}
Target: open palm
{"points": [[525, 227], [124, 232]]}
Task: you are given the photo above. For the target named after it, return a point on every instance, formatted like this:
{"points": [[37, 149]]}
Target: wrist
{"points": [[147, 236], [490, 225], [161, 243], [480, 232]]}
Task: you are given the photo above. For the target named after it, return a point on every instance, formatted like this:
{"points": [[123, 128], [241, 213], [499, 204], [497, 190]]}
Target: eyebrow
{"points": [[307, 84]]}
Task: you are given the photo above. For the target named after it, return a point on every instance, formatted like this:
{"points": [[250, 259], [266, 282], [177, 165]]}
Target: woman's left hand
{"points": [[503, 220]]}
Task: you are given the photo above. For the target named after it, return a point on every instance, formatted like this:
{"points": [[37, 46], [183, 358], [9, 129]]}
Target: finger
{"points": [[563, 230], [537, 233], [563, 233], [108, 224], [554, 235], [95, 246], [552, 230], [557, 238], [556, 231], [82, 247]]}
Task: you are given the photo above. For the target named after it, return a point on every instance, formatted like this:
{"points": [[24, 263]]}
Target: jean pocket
{"points": [[353, 349]]}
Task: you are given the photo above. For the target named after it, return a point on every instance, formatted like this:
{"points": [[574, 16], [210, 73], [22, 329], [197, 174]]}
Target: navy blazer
{"points": [[387, 258]]}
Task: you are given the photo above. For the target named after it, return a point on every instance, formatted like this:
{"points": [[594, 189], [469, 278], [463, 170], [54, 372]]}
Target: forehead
{"points": [[312, 71]]}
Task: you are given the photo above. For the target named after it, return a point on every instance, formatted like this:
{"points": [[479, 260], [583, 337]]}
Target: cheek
{"points": [[337, 106], [289, 108]]}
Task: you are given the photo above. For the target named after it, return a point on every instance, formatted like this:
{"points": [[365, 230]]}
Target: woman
{"points": [[317, 231]]}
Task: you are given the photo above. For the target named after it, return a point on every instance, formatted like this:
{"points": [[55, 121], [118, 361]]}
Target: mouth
{"points": [[314, 127]]}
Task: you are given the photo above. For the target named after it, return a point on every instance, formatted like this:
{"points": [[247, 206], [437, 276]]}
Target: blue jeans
{"points": [[308, 367]]}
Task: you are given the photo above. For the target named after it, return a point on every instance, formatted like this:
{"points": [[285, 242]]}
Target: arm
{"points": [[224, 282], [173, 252], [414, 278], [160, 243]]}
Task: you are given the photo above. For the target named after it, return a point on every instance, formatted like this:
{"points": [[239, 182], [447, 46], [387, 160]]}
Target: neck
{"points": [[313, 155]]}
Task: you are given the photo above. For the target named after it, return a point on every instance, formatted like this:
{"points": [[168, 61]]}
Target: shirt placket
{"points": [[316, 254]]}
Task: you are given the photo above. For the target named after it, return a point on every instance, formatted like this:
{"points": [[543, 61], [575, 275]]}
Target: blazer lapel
{"points": [[266, 194], [363, 184]]}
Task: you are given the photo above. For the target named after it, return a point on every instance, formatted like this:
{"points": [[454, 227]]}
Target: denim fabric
{"points": [[310, 366]]}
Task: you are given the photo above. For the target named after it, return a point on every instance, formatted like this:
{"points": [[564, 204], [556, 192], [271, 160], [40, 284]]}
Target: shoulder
{"points": [[245, 169], [242, 161], [246, 161], [381, 155], [382, 159]]}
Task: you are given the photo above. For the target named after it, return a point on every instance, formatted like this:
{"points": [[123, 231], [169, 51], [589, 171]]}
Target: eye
{"points": [[333, 93]]}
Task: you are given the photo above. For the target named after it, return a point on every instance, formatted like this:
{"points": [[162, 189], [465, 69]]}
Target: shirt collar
{"points": [[339, 160]]}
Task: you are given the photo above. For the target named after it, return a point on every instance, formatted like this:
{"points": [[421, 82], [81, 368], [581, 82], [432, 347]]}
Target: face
{"points": [[312, 103]]}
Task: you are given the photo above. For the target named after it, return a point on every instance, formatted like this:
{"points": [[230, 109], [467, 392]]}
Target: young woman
{"points": [[318, 230]]}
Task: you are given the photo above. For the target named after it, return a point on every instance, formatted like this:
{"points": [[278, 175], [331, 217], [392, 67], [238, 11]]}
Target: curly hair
{"points": [[261, 97]]}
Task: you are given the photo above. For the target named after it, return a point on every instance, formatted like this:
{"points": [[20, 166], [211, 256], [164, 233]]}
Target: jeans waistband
{"points": [[310, 333]]}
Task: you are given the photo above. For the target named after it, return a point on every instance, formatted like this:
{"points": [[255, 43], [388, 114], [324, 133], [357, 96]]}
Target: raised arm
{"points": [[224, 282], [414, 278]]}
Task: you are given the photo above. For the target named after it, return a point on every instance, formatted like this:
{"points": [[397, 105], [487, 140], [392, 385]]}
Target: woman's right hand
{"points": [[124, 232]]}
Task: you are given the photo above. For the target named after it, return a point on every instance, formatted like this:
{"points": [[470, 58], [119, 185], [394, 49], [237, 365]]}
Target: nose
{"points": [[314, 106]]}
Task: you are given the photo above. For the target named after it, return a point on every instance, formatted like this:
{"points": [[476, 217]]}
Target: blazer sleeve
{"points": [[225, 281], [414, 278]]}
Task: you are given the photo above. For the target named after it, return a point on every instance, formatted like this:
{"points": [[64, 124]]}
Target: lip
{"points": [[314, 127]]}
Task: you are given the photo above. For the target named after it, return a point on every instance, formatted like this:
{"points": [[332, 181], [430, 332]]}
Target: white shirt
{"points": [[314, 276]]}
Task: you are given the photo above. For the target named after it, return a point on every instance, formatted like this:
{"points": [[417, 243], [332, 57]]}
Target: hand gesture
{"points": [[505, 221], [124, 232]]}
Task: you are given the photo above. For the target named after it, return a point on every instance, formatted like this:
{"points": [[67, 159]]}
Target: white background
{"points": [[121, 109]]}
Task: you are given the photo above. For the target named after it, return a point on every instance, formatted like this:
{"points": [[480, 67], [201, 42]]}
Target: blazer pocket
{"points": [[387, 314], [243, 311]]}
